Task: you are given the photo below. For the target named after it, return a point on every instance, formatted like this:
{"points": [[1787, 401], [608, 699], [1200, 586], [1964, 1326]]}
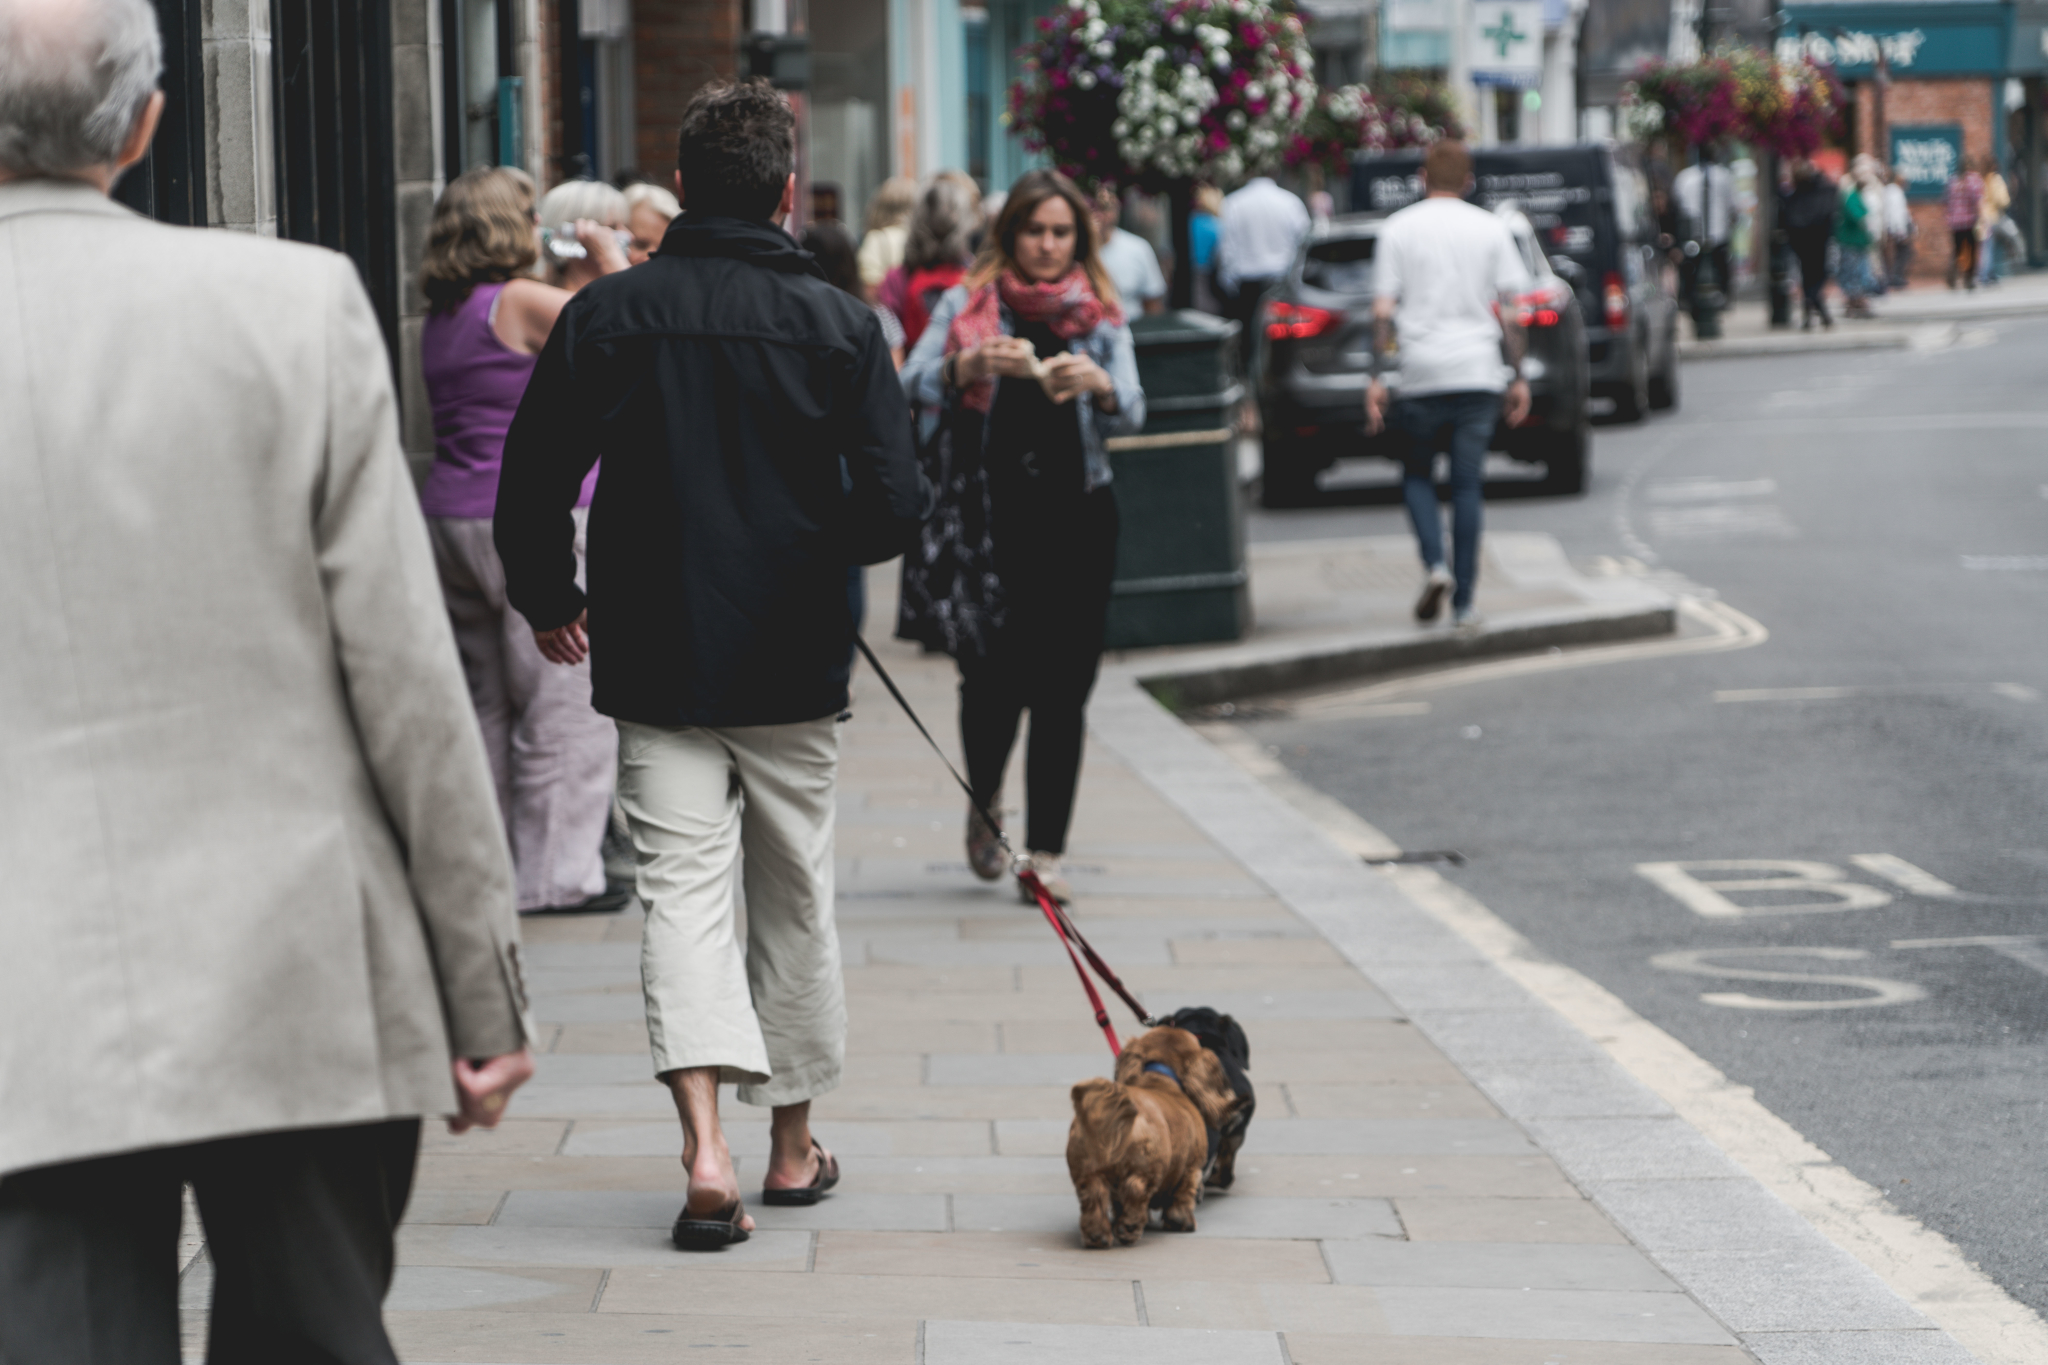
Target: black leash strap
{"points": [[1062, 923]]}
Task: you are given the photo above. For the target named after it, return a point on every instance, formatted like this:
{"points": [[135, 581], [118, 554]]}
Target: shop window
{"points": [[483, 111]]}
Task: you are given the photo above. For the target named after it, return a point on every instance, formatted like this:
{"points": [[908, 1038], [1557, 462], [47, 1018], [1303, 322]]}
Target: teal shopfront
{"points": [[1933, 86]]}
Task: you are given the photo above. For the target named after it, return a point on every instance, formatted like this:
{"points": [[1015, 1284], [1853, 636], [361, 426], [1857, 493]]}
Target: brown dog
{"points": [[1140, 1141]]}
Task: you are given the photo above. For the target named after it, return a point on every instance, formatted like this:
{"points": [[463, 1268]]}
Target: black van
{"points": [[1591, 210]]}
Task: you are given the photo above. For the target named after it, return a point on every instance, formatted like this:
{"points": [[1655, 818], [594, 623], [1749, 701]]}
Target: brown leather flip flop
{"points": [[825, 1179], [715, 1233]]}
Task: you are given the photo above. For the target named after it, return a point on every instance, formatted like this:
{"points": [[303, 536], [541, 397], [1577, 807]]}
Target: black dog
{"points": [[1220, 1034]]}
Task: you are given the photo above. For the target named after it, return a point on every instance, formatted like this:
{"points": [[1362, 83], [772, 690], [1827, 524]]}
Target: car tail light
{"points": [[1293, 321], [1544, 308], [1615, 295]]}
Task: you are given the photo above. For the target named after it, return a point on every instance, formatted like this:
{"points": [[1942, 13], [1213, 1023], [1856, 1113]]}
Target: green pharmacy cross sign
{"points": [[1504, 35]]}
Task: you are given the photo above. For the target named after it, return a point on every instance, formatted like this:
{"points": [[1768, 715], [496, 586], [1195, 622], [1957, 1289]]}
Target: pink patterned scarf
{"points": [[1068, 305]]}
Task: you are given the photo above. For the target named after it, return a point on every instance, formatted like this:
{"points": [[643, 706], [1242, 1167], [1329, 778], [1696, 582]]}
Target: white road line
{"points": [[1922, 1266], [2016, 691], [1783, 693], [1901, 873]]}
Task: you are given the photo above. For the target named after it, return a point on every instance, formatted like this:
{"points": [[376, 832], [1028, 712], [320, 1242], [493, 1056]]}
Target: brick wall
{"points": [[1967, 103], [678, 45]]}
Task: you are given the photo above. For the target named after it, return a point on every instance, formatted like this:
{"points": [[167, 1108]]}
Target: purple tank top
{"points": [[474, 382]]}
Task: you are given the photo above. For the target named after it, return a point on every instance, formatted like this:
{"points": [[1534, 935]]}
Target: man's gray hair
{"points": [[74, 75]]}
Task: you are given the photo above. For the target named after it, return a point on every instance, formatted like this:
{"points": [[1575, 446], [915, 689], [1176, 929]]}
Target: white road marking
{"points": [[1783, 693], [2016, 691], [1341, 708], [1704, 898], [1706, 488], [1921, 1265], [2025, 949], [1698, 962], [2006, 563], [1901, 873], [1720, 521]]}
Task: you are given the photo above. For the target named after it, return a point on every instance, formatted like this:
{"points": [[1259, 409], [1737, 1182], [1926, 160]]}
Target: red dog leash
{"points": [[1055, 913]]}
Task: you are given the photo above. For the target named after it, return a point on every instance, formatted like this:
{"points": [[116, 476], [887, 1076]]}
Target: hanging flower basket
{"points": [[1743, 93], [1157, 92], [1349, 119]]}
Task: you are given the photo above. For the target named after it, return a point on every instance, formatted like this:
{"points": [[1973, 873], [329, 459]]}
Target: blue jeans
{"points": [[1465, 421]]}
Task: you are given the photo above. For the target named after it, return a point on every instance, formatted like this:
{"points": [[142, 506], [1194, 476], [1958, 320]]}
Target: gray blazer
{"points": [[252, 872], [1108, 346]]}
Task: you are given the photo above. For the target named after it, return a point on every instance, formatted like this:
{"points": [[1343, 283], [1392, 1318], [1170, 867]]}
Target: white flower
{"points": [[1085, 78]]}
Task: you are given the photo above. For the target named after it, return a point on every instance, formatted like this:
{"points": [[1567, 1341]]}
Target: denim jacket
{"points": [[1108, 346]]}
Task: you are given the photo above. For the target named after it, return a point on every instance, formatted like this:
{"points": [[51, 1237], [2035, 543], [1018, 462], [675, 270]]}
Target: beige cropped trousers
{"points": [[702, 805]]}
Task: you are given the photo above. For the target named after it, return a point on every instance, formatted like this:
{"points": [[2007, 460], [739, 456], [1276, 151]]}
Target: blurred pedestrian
{"points": [[1258, 232], [1898, 229], [1446, 275], [936, 253], [1132, 264], [881, 250], [1029, 366], [1961, 202], [569, 262], [551, 755], [755, 444], [1807, 213], [1202, 230], [1991, 207], [1857, 216], [257, 915], [1704, 196], [649, 211]]}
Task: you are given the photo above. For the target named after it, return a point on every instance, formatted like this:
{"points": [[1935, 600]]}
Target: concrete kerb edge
{"points": [[1351, 906], [1207, 678]]}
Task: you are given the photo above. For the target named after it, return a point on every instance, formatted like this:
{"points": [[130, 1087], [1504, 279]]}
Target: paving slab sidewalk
{"points": [[1923, 317], [1441, 1171]]}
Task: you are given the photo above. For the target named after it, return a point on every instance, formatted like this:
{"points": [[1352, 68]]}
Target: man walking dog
{"points": [[755, 444], [1446, 274]]}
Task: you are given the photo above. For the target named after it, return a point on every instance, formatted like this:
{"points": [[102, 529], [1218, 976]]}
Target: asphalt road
{"points": [[1885, 516]]}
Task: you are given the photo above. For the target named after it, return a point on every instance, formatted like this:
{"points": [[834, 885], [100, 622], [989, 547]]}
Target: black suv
{"points": [[1316, 349], [1591, 210]]}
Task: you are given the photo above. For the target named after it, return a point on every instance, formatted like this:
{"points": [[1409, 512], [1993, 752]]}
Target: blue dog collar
{"points": [[1162, 1069]]}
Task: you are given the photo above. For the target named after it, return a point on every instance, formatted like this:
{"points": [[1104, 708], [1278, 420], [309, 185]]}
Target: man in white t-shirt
{"points": [[1446, 276], [1130, 260]]}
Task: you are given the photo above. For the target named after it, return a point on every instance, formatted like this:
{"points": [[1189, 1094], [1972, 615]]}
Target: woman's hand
{"points": [[1074, 373], [1009, 357], [603, 245]]}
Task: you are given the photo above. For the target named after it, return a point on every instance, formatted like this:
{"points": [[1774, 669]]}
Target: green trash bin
{"points": [[1180, 564]]}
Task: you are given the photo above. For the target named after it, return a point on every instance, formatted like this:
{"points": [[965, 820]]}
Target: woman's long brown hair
{"points": [[999, 249]]}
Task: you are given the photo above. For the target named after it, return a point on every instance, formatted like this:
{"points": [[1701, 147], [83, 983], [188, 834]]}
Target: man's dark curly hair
{"points": [[737, 149]]}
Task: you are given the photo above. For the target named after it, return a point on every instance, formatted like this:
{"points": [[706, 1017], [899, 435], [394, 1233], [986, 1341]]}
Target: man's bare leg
{"points": [[713, 1184], [792, 1163]]}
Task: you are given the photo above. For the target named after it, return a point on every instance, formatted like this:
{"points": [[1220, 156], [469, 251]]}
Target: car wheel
{"points": [[1565, 456], [1664, 383], [1634, 400], [1287, 476]]}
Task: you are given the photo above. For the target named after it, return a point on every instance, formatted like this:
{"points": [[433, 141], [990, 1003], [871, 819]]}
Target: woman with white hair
{"points": [[649, 211], [881, 250], [570, 266]]}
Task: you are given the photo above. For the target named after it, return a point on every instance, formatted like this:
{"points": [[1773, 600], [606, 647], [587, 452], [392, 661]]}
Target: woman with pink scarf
{"points": [[1024, 372]]}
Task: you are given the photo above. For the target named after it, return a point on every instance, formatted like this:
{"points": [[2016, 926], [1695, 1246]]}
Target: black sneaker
{"points": [[609, 901]]}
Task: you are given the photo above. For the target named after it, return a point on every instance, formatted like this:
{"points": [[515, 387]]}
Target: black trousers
{"points": [[299, 1225], [1056, 569]]}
